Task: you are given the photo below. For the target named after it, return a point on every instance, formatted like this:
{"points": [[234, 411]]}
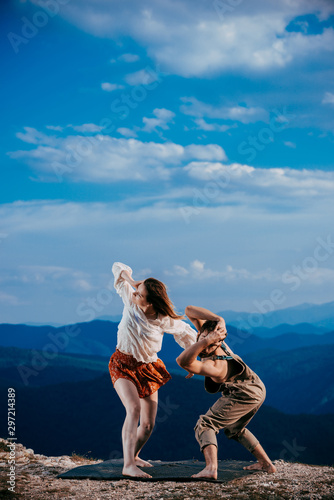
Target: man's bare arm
{"points": [[188, 358]]}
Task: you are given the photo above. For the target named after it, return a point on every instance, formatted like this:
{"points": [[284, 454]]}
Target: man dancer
{"points": [[242, 390]]}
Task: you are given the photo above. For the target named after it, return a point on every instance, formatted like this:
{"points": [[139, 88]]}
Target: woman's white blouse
{"points": [[139, 336]]}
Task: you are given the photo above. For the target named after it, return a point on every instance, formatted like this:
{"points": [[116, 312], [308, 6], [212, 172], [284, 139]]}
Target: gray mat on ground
{"points": [[161, 471]]}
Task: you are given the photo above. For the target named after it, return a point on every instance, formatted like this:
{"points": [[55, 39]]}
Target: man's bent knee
{"points": [[204, 433]]}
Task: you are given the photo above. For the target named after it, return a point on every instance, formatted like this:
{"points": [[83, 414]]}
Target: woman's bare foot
{"points": [[133, 471], [207, 472], [142, 463], [265, 466]]}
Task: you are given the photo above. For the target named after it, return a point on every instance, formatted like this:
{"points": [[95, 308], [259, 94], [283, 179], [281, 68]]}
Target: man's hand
{"points": [[221, 327], [189, 375], [216, 337]]}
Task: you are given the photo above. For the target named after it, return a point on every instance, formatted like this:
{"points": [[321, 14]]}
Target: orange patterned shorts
{"points": [[147, 377]]}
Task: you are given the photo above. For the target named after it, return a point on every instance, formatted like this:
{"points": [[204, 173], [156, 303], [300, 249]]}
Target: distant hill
{"points": [[22, 367], [291, 365], [302, 328], [115, 319], [321, 315], [298, 380], [243, 343], [100, 337], [87, 416], [94, 337], [285, 342]]}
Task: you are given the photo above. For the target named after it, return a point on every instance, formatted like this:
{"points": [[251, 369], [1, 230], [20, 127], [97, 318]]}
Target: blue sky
{"points": [[190, 140]]}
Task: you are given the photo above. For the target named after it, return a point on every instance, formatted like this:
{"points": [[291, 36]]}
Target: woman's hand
{"points": [[126, 276], [136, 284]]}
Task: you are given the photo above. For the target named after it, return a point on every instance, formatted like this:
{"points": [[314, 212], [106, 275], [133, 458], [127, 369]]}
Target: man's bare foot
{"points": [[207, 472], [133, 471], [142, 463], [265, 466]]}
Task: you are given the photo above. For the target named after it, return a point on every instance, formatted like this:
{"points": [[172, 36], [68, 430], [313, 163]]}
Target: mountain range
{"points": [[265, 316], [66, 402], [99, 338], [319, 316]]}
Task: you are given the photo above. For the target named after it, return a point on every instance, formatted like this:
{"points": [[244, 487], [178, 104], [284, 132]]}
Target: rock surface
{"points": [[36, 480]]}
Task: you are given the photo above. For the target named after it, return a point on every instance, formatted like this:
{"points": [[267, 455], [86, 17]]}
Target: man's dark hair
{"points": [[209, 325]]}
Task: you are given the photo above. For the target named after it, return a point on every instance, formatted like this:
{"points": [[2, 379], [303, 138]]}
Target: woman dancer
{"points": [[135, 370]]}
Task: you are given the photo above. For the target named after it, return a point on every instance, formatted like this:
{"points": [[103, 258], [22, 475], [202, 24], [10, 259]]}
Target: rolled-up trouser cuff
{"points": [[247, 439], [205, 435]]}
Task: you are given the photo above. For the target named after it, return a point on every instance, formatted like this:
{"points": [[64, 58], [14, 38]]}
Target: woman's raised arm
{"points": [[198, 316], [126, 276]]}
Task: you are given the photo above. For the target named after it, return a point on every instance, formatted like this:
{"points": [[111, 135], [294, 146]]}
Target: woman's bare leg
{"points": [[128, 394], [264, 463], [148, 412]]}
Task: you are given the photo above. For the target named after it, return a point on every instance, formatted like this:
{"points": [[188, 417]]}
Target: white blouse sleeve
{"points": [[184, 335], [122, 287]]}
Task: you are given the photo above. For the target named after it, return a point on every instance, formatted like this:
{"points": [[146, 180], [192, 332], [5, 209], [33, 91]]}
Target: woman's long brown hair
{"points": [[157, 296]]}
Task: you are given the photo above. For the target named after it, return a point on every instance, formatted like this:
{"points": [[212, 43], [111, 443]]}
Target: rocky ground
{"points": [[36, 480]]}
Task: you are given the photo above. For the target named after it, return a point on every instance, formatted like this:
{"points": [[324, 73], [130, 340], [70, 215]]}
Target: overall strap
{"points": [[221, 357], [226, 350]]}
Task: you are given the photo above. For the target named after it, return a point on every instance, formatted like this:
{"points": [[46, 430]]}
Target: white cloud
{"points": [[244, 239], [144, 273], [255, 42], [118, 159], [129, 58], [86, 127], [193, 38], [113, 159], [328, 98], [197, 270], [177, 271], [9, 299], [319, 276], [126, 132], [197, 266], [243, 114], [269, 183], [203, 125], [163, 118], [209, 152], [290, 144], [56, 128], [141, 77], [110, 87], [33, 136], [57, 276]]}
